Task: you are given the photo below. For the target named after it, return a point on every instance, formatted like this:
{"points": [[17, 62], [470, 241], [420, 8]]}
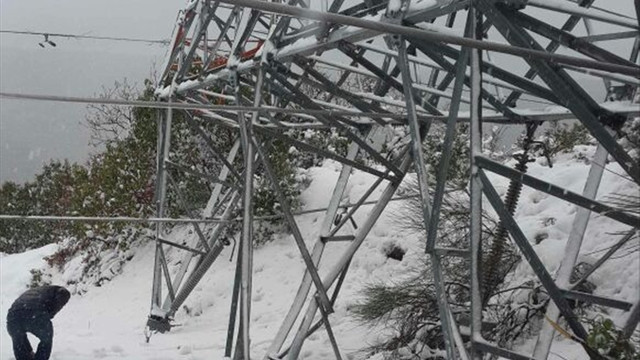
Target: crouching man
{"points": [[32, 312]]}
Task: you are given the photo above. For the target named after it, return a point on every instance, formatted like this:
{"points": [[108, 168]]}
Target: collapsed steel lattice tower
{"points": [[243, 62]]}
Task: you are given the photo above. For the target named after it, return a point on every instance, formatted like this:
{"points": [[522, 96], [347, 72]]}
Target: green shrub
{"points": [[609, 341], [562, 137], [38, 278]]}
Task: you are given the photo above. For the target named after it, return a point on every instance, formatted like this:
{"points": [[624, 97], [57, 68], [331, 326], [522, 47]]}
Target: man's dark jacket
{"points": [[43, 300]]}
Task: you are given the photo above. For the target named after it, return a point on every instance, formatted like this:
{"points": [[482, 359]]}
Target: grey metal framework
{"points": [[243, 64]]}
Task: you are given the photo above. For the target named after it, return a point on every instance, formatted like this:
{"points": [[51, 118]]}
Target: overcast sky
{"points": [[34, 132]]}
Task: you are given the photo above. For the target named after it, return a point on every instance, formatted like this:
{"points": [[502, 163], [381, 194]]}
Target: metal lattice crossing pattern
{"points": [[253, 59]]}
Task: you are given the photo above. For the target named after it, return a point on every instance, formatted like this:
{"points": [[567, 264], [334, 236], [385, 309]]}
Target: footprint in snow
{"points": [[185, 350]]}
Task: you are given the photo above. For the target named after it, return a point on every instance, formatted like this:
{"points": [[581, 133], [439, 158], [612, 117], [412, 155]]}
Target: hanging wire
{"points": [[47, 35], [613, 172]]}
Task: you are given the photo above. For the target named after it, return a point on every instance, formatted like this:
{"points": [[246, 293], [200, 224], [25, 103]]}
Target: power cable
{"points": [[48, 35]]}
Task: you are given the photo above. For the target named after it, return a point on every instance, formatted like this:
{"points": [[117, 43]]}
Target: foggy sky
{"points": [[32, 133], [35, 132]]}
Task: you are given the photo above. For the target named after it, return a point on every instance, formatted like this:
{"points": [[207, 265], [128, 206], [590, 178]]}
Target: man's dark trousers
{"points": [[39, 325]]}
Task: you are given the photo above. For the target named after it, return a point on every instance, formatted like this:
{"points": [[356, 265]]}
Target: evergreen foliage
{"points": [[119, 181], [611, 342]]}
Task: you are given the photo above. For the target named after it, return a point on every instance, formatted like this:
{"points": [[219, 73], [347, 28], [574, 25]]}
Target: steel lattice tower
{"points": [[245, 61]]}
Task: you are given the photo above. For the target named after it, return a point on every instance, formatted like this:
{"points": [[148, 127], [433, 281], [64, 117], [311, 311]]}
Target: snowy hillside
{"points": [[107, 322]]}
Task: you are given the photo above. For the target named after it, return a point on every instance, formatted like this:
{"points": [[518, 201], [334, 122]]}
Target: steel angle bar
{"points": [[633, 81], [205, 262], [233, 313], [373, 28], [364, 9], [422, 61], [632, 322], [551, 48], [185, 262], [214, 149], [435, 72], [610, 36], [283, 25], [567, 39], [571, 251], [461, 253], [475, 206], [177, 44], [409, 32], [295, 231], [245, 257], [534, 261], [437, 56], [445, 158], [337, 238], [206, 4], [416, 132], [215, 205], [349, 215], [183, 204], [334, 8], [343, 77], [328, 154], [558, 192], [577, 100], [442, 300], [434, 99], [196, 105], [345, 259], [595, 14], [568, 26], [243, 344], [327, 327], [503, 353], [302, 99], [199, 174], [183, 247], [595, 299], [319, 323], [343, 206], [316, 254], [449, 76], [163, 144], [335, 90], [241, 41], [628, 236], [214, 201], [202, 109], [219, 205], [205, 17], [457, 337], [167, 274], [349, 50], [223, 26]]}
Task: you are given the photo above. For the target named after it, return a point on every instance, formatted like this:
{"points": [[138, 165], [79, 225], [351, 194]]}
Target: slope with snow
{"points": [[107, 322]]}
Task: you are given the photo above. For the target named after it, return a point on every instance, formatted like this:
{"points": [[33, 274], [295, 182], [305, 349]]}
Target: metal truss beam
{"points": [[538, 267], [414, 33], [580, 103], [585, 202], [209, 63]]}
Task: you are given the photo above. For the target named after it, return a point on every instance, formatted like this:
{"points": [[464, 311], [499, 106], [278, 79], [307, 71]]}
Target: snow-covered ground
{"points": [[107, 322]]}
